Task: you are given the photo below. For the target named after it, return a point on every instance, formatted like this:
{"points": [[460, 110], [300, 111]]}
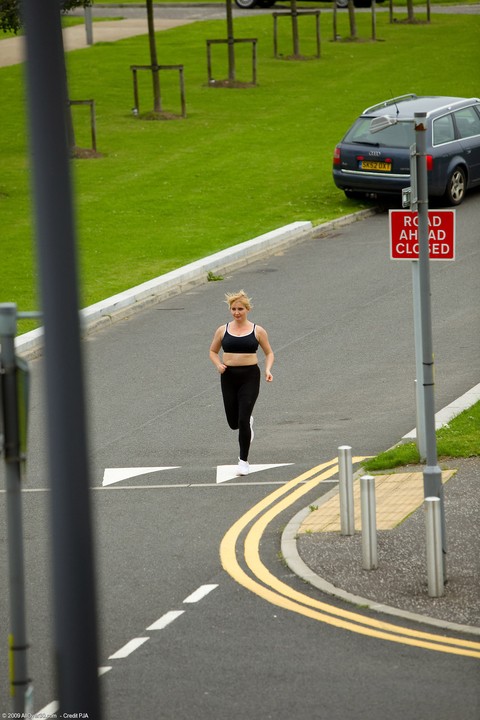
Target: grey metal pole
{"points": [[345, 468], [432, 475], [20, 683], [417, 320], [419, 385], [369, 522], [433, 523], [73, 572]]}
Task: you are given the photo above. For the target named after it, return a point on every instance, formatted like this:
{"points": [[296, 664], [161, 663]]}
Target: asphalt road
{"points": [[211, 11], [339, 316], [216, 11]]}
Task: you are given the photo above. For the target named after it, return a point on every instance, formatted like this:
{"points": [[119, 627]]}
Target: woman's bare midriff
{"points": [[236, 359]]}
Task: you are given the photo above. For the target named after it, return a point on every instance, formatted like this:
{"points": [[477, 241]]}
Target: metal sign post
{"points": [[417, 321], [74, 583], [405, 245], [432, 475], [20, 684]]}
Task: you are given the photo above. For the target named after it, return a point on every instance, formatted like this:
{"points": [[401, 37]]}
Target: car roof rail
{"points": [[461, 101], [392, 101]]}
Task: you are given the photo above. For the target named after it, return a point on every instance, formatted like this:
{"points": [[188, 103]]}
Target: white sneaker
{"points": [[243, 468], [252, 434]]}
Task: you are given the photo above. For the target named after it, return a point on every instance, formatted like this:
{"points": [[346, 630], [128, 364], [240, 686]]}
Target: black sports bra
{"points": [[243, 344]]}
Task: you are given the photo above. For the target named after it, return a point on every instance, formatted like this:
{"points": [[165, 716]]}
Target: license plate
{"points": [[374, 165]]}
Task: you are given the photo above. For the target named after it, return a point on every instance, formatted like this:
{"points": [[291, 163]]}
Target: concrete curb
{"points": [[298, 567], [177, 281]]}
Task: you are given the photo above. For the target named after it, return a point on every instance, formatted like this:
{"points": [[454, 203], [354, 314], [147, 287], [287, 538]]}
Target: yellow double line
{"points": [[270, 588]]}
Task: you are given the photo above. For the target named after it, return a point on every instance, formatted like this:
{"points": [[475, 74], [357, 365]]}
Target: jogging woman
{"points": [[240, 375]]}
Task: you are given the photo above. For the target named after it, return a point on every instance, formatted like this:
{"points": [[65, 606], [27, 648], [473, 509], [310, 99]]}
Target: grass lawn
{"points": [[460, 438], [245, 161]]}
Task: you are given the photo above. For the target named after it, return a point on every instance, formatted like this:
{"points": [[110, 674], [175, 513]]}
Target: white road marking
{"points": [[228, 472], [200, 593], [114, 475], [141, 487], [165, 620], [191, 486], [51, 709], [127, 649]]}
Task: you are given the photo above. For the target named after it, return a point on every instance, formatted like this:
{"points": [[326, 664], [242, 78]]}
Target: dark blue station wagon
{"points": [[377, 163]]}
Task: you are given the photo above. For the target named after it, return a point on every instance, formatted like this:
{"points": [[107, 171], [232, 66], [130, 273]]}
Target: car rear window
{"points": [[400, 135]]}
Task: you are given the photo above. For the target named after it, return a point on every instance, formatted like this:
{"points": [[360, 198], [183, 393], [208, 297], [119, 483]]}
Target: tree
{"points": [[296, 41], [11, 15], [157, 101], [11, 20], [410, 11], [352, 20]]}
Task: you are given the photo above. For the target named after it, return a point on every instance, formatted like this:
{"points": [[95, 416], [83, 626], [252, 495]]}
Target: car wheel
{"points": [[341, 4], [456, 186], [246, 4]]}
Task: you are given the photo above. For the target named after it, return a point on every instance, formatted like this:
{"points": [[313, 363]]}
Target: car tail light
{"points": [[336, 156], [429, 162]]}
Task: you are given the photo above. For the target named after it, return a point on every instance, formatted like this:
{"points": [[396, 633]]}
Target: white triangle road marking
{"points": [[228, 472], [114, 475]]}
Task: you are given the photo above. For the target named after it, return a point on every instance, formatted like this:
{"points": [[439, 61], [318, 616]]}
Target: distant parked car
{"points": [[376, 162], [249, 4]]}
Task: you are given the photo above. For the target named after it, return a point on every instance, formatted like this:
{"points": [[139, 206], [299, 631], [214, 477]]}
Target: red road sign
{"points": [[404, 234]]}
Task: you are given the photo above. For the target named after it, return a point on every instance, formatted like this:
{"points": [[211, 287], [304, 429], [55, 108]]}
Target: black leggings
{"points": [[240, 388]]}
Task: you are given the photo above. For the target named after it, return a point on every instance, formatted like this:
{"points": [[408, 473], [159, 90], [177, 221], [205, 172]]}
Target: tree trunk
{"points": [[296, 42], [374, 20], [157, 101], [411, 13], [231, 43], [351, 17], [70, 129]]}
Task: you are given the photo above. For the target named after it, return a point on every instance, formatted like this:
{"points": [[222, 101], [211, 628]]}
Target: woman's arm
{"points": [[262, 338], [215, 349]]}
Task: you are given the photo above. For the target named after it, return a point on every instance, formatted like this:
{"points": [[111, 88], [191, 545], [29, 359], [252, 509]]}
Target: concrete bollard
{"points": [[345, 467], [369, 522], [433, 523]]}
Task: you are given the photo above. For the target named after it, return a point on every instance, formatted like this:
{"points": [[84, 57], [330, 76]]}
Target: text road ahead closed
{"points": [[404, 243]]}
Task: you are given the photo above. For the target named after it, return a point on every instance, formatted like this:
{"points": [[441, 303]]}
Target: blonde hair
{"points": [[241, 296]]}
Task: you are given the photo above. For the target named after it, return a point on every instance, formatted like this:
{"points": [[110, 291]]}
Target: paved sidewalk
{"points": [[12, 50], [397, 496], [322, 556]]}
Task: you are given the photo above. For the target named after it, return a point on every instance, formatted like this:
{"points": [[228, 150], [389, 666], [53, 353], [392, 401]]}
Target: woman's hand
{"points": [[268, 376]]}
